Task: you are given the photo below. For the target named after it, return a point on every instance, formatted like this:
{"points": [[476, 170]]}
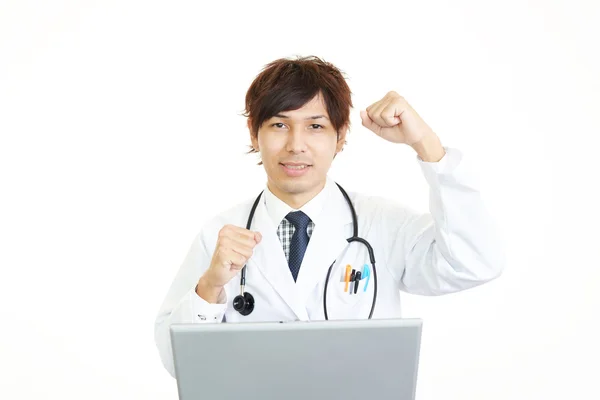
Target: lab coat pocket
{"points": [[351, 292]]}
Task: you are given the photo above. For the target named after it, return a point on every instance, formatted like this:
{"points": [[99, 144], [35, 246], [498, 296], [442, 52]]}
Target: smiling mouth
{"points": [[296, 166], [295, 170]]}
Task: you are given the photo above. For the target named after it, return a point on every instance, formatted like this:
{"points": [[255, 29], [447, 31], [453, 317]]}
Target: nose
{"points": [[296, 140]]}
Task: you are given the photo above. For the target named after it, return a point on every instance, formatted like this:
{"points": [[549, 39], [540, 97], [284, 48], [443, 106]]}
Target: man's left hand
{"points": [[393, 119]]}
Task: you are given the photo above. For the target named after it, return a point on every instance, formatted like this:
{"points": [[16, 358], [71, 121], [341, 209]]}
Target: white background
{"points": [[121, 133]]}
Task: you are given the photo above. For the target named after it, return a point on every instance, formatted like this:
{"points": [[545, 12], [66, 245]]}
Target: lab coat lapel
{"points": [[327, 242], [269, 258]]}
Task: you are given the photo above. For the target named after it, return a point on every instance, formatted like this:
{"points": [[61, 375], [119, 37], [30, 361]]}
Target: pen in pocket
{"points": [[366, 274], [347, 277], [356, 281]]}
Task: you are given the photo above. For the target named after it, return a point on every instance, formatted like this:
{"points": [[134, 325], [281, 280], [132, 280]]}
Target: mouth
{"points": [[295, 169], [295, 165]]}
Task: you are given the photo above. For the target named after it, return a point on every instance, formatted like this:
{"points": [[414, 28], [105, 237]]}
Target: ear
{"points": [[341, 139], [253, 138]]}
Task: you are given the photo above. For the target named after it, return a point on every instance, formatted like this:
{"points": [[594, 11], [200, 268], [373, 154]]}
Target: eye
{"points": [[316, 126], [277, 125]]}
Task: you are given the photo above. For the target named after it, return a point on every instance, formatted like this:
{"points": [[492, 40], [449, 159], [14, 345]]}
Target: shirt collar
{"points": [[277, 209]]}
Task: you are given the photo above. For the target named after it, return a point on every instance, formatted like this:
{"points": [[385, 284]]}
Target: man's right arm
{"points": [[196, 295], [182, 304]]}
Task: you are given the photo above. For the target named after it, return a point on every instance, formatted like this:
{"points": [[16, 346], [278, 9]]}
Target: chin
{"points": [[297, 186], [293, 187]]}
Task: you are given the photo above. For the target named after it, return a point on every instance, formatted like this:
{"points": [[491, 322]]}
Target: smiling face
{"points": [[297, 148]]}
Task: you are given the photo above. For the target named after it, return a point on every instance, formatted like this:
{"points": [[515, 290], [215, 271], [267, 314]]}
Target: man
{"points": [[296, 250]]}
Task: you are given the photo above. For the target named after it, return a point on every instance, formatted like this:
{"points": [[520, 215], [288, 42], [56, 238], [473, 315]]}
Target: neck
{"points": [[295, 199]]}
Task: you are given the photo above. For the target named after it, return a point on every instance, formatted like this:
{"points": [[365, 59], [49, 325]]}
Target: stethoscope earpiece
{"points": [[244, 304]]}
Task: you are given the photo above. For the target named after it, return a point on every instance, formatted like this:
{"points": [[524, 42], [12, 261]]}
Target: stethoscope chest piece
{"points": [[243, 304]]}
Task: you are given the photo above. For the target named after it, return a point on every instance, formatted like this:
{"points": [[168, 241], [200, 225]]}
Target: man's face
{"points": [[297, 148]]}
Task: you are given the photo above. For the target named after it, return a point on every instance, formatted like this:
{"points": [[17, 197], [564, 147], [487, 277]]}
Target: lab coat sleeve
{"points": [[182, 304], [454, 247]]}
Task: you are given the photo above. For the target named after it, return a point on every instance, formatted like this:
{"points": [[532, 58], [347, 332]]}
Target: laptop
{"points": [[357, 359]]}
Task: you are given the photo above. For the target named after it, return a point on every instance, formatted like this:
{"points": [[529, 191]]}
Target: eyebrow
{"points": [[307, 118]]}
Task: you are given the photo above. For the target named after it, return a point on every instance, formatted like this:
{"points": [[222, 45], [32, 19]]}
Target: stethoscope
{"points": [[244, 302]]}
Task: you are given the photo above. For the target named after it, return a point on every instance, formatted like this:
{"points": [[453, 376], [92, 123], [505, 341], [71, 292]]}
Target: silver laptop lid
{"points": [[358, 359]]}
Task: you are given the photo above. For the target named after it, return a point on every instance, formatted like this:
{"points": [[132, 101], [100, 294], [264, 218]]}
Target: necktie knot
{"points": [[299, 220]]}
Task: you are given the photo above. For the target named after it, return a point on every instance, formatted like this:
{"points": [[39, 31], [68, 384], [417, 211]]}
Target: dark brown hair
{"points": [[287, 84]]}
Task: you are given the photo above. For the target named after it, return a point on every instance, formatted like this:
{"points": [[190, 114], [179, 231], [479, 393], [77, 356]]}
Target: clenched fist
{"points": [[234, 247], [395, 120]]}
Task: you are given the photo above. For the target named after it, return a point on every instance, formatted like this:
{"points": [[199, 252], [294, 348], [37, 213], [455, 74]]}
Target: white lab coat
{"points": [[452, 248]]}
